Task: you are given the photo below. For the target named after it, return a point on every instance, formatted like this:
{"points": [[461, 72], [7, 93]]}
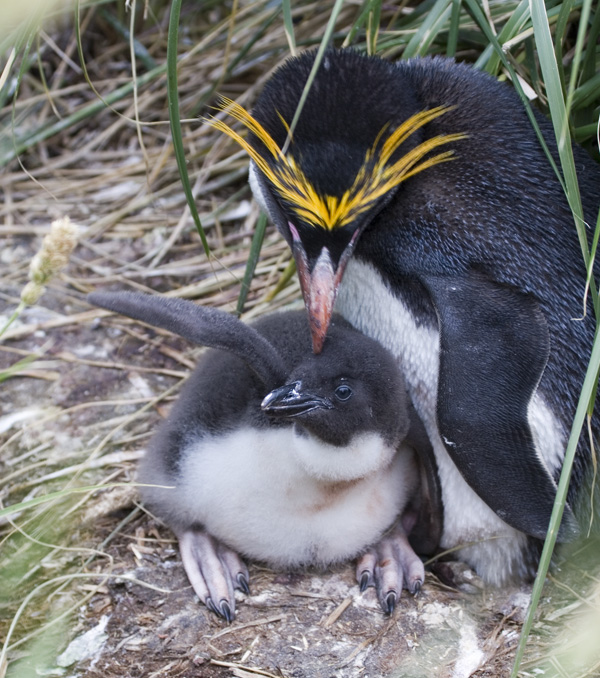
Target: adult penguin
{"points": [[416, 196]]}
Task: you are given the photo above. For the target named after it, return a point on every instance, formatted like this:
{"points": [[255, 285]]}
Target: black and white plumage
{"points": [[282, 456], [469, 270]]}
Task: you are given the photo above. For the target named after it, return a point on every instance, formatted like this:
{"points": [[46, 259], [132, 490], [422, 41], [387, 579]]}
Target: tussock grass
{"points": [[99, 121]]}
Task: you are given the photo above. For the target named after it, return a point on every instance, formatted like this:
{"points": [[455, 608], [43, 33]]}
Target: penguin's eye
{"points": [[343, 392]]}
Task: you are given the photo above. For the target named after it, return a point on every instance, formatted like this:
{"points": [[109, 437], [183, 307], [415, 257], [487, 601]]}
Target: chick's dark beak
{"points": [[291, 401], [320, 285]]}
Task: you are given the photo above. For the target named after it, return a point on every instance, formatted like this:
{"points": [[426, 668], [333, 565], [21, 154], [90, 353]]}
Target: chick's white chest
{"points": [[263, 493]]}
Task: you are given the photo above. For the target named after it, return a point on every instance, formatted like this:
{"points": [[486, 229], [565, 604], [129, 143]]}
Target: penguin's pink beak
{"points": [[319, 285]]}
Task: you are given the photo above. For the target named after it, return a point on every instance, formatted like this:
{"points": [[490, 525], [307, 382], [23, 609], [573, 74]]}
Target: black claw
{"points": [[364, 581], [211, 606], [416, 587], [243, 583], [390, 602], [225, 611]]}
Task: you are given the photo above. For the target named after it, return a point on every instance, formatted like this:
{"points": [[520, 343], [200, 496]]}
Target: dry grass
{"points": [[81, 412]]}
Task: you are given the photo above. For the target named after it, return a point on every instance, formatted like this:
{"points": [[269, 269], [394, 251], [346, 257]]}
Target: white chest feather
{"points": [[265, 494], [365, 300]]}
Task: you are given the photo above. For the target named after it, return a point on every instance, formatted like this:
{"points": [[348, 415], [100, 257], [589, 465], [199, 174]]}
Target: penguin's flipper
{"points": [[201, 325], [426, 534], [214, 571], [389, 566], [494, 346]]}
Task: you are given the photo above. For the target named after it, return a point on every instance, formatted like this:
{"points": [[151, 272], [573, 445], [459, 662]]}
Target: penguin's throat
{"points": [[364, 454]]}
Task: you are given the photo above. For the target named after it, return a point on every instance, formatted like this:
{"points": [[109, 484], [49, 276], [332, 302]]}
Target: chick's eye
{"points": [[343, 392]]}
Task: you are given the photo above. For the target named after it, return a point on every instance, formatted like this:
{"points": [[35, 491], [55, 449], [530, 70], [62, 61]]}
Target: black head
{"points": [[358, 137], [353, 386]]}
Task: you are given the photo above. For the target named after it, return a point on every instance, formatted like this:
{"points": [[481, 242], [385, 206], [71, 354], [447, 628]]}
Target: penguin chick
{"points": [[308, 473]]}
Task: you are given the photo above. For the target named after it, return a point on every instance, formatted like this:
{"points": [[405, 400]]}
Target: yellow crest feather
{"points": [[375, 178]]}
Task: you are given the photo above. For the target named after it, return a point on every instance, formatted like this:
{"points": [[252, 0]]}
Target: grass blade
{"points": [[510, 29], [257, 241], [452, 42], [429, 29], [589, 60], [581, 39], [141, 52], [52, 496], [559, 112], [589, 386], [480, 18], [7, 67], [559, 36], [373, 26], [175, 118], [311, 76], [17, 367], [289, 26], [358, 23], [560, 122]]}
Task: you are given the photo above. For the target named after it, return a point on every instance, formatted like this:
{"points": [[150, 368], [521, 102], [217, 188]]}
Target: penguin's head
{"points": [[348, 405], [351, 388], [358, 137]]}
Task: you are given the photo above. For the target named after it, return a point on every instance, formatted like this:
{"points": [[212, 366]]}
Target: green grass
{"points": [[548, 51]]}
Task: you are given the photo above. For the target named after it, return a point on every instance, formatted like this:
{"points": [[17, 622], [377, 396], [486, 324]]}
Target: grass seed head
{"points": [[52, 257]]}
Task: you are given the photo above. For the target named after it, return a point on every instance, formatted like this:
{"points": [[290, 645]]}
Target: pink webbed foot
{"points": [[214, 571], [389, 566]]}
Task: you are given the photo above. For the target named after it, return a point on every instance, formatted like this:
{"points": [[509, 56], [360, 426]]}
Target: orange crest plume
{"points": [[375, 178]]}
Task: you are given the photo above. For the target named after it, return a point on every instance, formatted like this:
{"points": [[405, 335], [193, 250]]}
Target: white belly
{"points": [[251, 490], [366, 302]]}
